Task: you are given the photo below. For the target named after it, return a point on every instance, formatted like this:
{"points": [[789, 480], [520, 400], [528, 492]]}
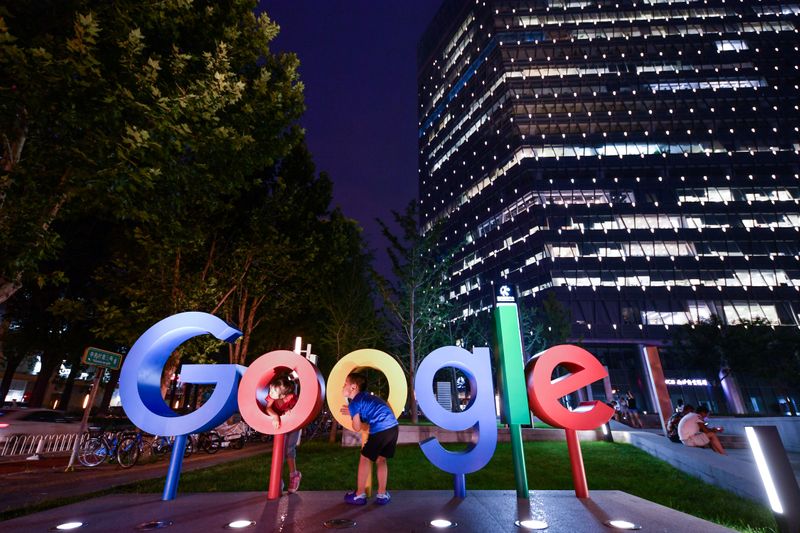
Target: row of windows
{"points": [[658, 313], [675, 278], [604, 116], [744, 249], [628, 32], [558, 152], [738, 194]]}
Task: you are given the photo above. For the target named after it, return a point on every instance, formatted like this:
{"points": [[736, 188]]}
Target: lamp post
{"points": [[777, 475]]}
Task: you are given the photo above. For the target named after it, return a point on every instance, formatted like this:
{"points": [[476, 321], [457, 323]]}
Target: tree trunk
{"points": [[334, 430], [66, 394], [11, 367], [172, 367], [412, 401], [109, 391], [412, 397], [455, 403], [8, 288], [50, 362]]}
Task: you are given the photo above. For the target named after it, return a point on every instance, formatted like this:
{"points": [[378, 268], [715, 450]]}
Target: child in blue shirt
{"points": [[371, 412]]}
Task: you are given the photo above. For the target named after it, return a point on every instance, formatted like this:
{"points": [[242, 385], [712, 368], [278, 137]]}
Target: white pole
{"points": [[98, 374]]}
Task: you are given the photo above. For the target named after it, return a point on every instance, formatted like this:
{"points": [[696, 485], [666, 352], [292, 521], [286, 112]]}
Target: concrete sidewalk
{"points": [[40, 482], [482, 511], [735, 472]]}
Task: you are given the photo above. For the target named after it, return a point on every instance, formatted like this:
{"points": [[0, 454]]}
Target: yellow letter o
{"points": [[381, 361]]}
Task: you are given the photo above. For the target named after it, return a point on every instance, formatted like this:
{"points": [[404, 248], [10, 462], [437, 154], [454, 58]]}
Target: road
{"points": [[29, 482]]}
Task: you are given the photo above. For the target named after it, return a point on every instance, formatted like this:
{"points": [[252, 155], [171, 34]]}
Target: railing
{"points": [[27, 445]]}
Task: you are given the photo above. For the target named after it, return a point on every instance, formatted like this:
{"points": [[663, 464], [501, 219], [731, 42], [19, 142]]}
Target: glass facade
{"points": [[639, 158]]}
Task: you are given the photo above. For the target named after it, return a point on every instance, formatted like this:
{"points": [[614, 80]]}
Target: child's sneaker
{"points": [[383, 499], [294, 481], [355, 499]]}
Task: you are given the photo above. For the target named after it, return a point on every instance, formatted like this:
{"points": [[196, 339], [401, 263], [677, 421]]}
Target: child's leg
{"points": [[364, 468], [291, 450], [383, 474]]}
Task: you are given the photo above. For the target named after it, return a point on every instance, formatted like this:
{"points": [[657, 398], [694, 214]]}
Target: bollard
{"points": [[777, 476], [37, 455]]}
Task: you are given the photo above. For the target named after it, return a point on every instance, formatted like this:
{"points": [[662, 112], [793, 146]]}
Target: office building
{"points": [[637, 158]]}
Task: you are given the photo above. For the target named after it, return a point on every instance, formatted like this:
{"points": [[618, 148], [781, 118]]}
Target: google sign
{"points": [[526, 387]]}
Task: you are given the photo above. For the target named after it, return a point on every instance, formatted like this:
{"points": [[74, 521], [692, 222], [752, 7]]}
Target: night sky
{"points": [[358, 64]]}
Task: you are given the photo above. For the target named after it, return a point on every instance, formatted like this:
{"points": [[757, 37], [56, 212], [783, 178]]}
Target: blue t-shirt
{"points": [[373, 410]]}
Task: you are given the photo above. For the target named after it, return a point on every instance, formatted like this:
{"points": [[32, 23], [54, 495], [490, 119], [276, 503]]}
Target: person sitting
{"points": [[694, 432], [674, 420]]}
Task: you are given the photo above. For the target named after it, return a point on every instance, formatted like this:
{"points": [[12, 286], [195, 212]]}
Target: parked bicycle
{"points": [[132, 448], [319, 427], [98, 449], [210, 441], [163, 445]]}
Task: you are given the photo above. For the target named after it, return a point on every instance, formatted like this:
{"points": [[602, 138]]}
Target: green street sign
{"points": [[104, 358]]}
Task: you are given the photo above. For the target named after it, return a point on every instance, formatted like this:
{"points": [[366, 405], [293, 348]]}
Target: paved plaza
{"points": [[410, 511]]}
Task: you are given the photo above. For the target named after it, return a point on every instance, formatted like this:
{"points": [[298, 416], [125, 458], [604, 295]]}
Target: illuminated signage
{"points": [[687, 382], [505, 294], [243, 388]]}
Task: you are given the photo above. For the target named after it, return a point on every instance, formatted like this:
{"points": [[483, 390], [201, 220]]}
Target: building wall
{"points": [[640, 160]]}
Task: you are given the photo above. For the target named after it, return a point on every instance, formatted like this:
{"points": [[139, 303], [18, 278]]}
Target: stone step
{"points": [[733, 442]]}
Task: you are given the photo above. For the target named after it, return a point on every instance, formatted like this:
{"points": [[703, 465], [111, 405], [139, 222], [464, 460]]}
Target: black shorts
{"points": [[381, 444]]}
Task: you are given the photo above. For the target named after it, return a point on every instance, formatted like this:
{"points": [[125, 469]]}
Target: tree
{"points": [[542, 326], [276, 261], [720, 349], [10, 354], [40, 324], [141, 114], [709, 345], [416, 299], [350, 319], [253, 263], [347, 299], [546, 325]]}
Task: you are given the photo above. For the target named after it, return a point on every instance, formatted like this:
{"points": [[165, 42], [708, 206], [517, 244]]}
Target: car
{"points": [[16, 421]]}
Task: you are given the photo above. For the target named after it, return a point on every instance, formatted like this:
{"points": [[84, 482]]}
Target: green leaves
{"points": [[151, 114]]}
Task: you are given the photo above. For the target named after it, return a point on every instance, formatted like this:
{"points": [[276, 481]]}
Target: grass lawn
{"points": [[538, 424], [608, 466]]}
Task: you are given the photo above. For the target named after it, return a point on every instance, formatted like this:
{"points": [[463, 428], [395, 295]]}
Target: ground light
{"points": [[339, 523], [67, 526], [777, 475], [240, 524], [154, 524], [607, 435], [531, 524], [442, 523], [621, 524]]}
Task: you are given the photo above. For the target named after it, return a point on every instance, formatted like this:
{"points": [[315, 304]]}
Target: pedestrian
{"points": [[616, 407], [680, 406], [281, 399], [694, 431], [674, 420], [633, 411], [375, 414]]}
